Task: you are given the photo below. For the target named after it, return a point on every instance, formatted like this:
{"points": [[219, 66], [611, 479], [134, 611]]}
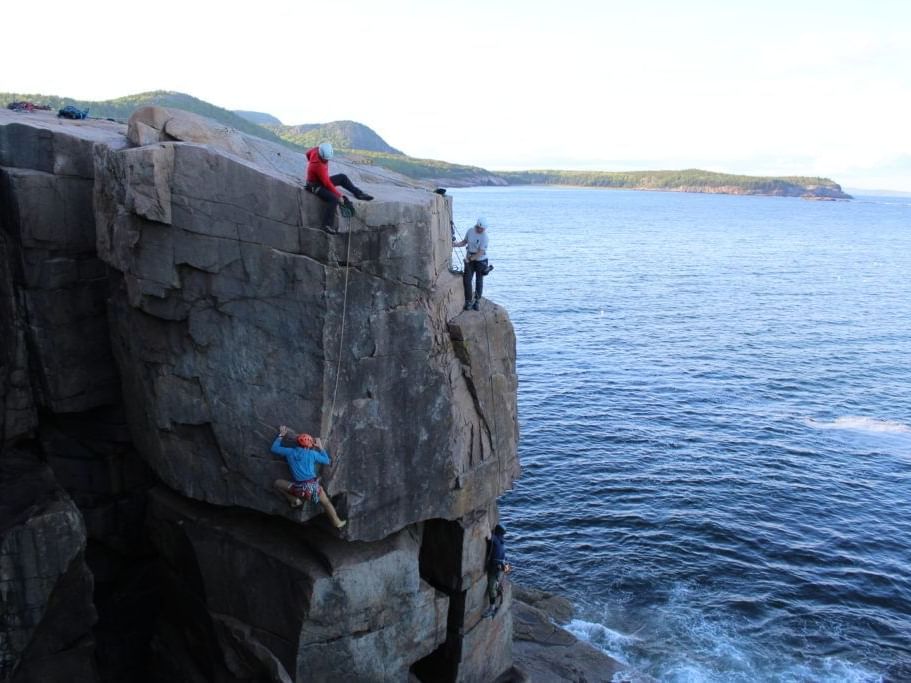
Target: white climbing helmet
{"points": [[481, 223], [326, 151]]}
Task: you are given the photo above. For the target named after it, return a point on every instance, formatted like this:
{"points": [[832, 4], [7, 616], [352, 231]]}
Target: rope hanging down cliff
{"points": [[341, 336]]}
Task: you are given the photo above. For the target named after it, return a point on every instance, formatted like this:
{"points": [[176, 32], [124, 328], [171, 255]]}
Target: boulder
{"points": [[556, 607], [545, 653], [151, 124]]}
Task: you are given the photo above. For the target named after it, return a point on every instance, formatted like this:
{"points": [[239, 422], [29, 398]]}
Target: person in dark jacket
{"points": [[496, 567], [302, 460], [320, 183]]}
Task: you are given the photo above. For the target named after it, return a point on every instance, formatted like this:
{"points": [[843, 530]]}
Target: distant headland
{"points": [[363, 145]]}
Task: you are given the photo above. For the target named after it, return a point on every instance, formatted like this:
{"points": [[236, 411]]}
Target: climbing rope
{"points": [[460, 268], [341, 335]]}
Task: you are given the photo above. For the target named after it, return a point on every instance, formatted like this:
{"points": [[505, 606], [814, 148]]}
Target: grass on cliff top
{"points": [[344, 135]]}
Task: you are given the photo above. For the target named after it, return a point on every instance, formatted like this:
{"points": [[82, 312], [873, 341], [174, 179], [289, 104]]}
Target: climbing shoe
{"points": [[330, 229], [476, 306], [467, 306], [490, 612], [363, 196]]}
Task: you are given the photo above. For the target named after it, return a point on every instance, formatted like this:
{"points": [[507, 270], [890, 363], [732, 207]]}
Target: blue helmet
{"points": [[326, 151]]}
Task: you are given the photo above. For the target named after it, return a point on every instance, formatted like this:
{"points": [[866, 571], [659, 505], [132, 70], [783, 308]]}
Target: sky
{"points": [[772, 88]]}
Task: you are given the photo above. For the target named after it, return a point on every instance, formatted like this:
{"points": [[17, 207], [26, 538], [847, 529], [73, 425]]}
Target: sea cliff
{"points": [[167, 299]]}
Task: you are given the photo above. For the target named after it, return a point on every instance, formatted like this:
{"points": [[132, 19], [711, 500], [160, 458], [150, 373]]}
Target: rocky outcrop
{"points": [[546, 653], [302, 606], [167, 300]]}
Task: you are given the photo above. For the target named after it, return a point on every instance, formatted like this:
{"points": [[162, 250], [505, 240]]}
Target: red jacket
{"points": [[318, 171]]}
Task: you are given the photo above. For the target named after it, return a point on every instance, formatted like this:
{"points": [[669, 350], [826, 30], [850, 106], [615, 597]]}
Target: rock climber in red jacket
{"points": [[320, 183]]}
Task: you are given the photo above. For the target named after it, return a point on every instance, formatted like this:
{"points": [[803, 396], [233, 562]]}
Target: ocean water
{"points": [[715, 410]]}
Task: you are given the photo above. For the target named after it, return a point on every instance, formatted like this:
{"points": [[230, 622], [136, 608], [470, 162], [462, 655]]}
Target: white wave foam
{"points": [[600, 636], [834, 670], [713, 652], [861, 424], [588, 630]]}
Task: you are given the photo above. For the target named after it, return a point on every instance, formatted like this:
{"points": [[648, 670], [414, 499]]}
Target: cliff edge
{"points": [[168, 298]]}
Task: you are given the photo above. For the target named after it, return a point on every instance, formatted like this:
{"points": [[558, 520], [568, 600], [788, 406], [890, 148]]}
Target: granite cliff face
{"points": [[167, 298]]}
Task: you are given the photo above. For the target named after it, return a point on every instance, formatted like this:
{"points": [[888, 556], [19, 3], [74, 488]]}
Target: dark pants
{"points": [[477, 269], [493, 583], [331, 200]]}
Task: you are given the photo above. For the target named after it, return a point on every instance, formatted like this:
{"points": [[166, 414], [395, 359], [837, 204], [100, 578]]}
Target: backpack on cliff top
{"points": [[71, 112]]}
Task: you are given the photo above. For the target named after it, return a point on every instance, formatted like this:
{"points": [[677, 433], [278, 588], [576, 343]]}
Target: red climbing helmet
{"points": [[305, 441]]}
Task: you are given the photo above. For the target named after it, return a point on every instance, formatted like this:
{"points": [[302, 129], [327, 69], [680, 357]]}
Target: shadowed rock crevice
{"points": [[46, 608], [92, 457], [452, 559]]}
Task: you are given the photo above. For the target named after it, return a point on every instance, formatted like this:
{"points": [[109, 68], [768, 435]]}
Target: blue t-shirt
{"points": [[302, 461], [476, 241]]}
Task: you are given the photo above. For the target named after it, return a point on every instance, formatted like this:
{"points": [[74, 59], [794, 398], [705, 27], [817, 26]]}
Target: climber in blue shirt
{"points": [[302, 460]]}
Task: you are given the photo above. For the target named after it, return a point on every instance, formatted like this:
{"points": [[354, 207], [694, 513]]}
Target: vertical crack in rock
{"points": [[452, 560]]}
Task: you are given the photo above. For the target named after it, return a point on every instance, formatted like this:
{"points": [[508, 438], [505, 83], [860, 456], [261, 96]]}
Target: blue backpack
{"points": [[71, 112]]}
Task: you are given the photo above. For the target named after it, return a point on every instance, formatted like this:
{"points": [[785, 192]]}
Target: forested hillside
{"points": [[342, 134], [689, 180]]}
